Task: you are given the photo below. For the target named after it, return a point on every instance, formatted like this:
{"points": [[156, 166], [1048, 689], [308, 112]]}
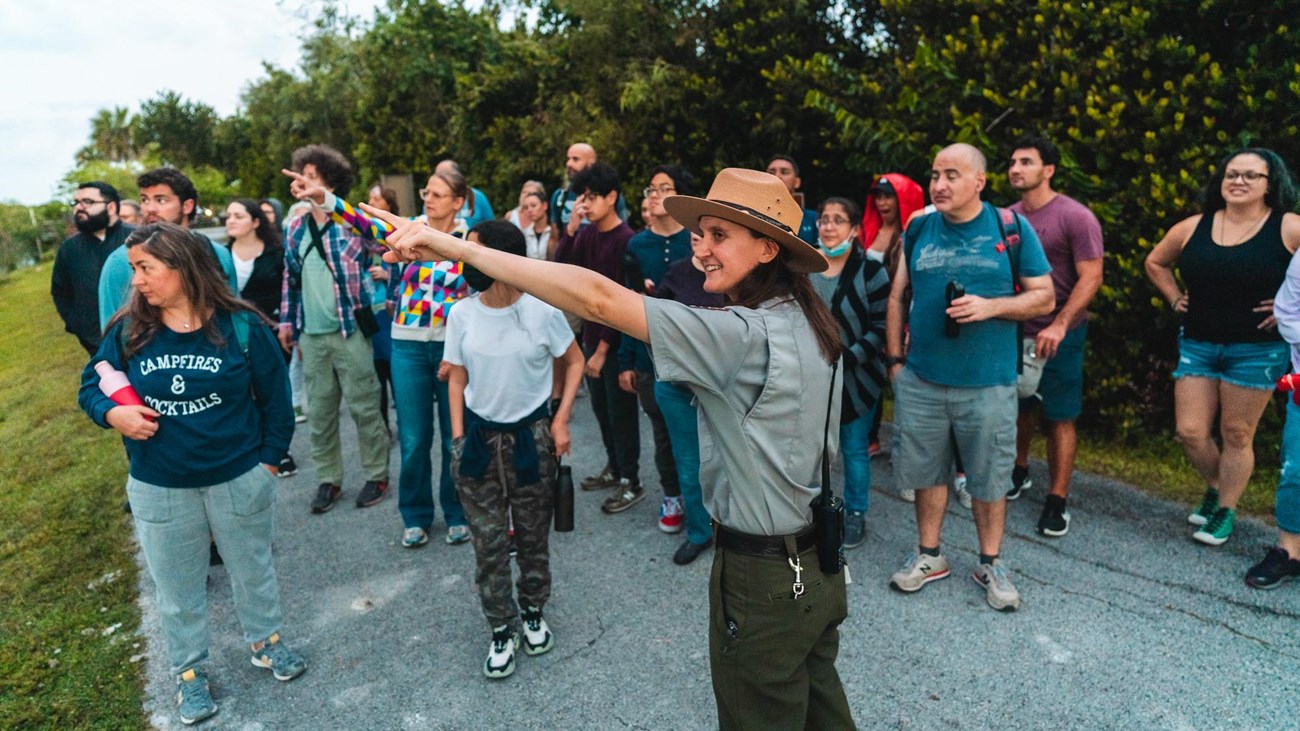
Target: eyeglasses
{"points": [[84, 202], [426, 193], [661, 190], [1250, 176], [832, 221]]}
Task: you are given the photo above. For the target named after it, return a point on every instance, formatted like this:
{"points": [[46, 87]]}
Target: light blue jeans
{"points": [[173, 525], [416, 390], [684, 435], [855, 438], [1288, 485]]}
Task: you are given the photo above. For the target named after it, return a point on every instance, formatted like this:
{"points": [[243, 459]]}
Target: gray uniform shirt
{"points": [[761, 385]]}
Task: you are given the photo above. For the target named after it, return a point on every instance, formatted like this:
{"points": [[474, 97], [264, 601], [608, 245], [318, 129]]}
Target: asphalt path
{"points": [[1126, 623]]}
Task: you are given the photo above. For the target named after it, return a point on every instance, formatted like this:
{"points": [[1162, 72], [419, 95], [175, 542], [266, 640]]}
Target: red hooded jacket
{"points": [[910, 200]]}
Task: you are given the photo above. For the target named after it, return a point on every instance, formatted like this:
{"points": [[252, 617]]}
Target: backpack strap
{"points": [[239, 319], [909, 241], [1009, 227]]}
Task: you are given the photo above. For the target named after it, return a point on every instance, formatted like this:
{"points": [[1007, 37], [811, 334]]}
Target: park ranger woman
{"points": [[762, 373]]}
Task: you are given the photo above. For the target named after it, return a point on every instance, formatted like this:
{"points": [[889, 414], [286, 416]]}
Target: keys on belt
{"points": [[797, 565]]}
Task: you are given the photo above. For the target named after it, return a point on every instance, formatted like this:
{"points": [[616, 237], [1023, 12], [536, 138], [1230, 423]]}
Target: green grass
{"points": [[61, 529], [1160, 469]]}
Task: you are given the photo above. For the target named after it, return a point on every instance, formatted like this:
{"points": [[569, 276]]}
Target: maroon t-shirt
{"points": [[601, 252], [1070, 233]]}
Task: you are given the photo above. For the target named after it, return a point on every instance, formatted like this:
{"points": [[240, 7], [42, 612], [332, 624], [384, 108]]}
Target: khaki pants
{"points": [[336, 368], [772, 656]]}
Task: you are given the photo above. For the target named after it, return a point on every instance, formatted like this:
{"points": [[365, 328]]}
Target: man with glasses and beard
{"points": [[73, 284]]}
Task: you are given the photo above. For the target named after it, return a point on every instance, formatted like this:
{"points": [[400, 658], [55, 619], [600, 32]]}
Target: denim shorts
{"points": [[1061, 388], [1248, 365]]}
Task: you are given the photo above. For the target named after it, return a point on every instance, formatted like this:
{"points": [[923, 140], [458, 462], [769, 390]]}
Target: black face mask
{"points": [[92, 222], [476, 279]]}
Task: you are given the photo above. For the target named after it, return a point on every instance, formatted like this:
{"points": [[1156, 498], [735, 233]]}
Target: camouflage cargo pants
{"points": [[489, 504]]}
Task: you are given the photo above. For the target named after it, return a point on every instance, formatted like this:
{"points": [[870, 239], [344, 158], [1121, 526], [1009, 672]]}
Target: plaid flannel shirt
{"points": [[349, 259]]}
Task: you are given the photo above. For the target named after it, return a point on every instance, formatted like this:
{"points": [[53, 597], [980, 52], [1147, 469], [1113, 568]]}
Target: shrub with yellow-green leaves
{"points": [[1144, 101]]}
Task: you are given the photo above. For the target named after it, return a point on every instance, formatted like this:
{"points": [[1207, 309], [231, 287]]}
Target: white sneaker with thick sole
{"points": [[538, 638], [500, 662]]}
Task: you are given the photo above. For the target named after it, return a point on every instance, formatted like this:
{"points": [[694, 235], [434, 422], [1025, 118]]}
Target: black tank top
{"points": [[1224, 283]]}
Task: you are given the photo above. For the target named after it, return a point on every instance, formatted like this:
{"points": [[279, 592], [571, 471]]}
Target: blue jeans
{"points": [[1288, 485], [684, 435], [855, 444], [416, 389], [173, 525]]}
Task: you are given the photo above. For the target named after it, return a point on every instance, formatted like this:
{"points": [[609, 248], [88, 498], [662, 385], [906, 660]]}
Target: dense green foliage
{"points": [[1144, 100]]}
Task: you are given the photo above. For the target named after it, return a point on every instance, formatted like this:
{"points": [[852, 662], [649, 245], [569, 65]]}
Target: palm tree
{"points": [[110, 135]]}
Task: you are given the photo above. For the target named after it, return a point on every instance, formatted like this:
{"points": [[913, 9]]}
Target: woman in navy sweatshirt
{"points": [[215, 423]]}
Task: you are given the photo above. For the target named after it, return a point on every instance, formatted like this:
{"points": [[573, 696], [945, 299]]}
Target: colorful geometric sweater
{"points": [[427, 289]]}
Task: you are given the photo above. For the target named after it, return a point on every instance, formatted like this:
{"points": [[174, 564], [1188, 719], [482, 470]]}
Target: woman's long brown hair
{"points": [[202, 280], [777, 279]]}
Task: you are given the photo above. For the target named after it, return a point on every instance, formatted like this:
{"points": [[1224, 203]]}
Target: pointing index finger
{"points": [[385, 216], [295, 175]]}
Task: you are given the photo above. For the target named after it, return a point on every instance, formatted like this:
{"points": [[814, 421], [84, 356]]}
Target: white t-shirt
{"points": [[508, 353], [243, 270]]}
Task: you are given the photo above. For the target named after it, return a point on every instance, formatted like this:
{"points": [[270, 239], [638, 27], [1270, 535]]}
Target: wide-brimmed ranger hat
{"points": [[758, 201]]}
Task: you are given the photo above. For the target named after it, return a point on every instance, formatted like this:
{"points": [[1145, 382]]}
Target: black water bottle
{"points": [[563, 498], [951, 327]]}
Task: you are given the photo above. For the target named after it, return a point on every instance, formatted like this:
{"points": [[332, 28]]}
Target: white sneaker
{"points": [[917, 571], [1000, 593], [908, 495], [500, 662], [538, 639], [959, 487]]}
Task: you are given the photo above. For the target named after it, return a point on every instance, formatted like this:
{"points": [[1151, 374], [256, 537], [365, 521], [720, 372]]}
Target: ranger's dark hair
{"points": [[777, 279], [331, 165]]}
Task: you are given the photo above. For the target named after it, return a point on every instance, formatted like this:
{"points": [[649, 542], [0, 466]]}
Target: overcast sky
{"points": [[63, 60]]}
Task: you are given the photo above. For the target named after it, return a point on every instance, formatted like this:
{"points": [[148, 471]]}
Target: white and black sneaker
{"points": [[500, 662], [537, 636]]}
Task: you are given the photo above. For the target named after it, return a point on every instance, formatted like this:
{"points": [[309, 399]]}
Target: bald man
{"points": [[957, 383], [565, 225]]}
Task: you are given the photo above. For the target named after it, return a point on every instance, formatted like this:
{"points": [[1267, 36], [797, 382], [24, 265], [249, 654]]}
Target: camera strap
{"points": [[827, 493]]}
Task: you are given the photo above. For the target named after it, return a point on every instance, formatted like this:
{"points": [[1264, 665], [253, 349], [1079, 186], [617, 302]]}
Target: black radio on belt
{"points": [[828, 510]]}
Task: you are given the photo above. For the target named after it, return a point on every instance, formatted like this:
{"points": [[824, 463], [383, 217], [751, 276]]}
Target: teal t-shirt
{"points": [[320, 303], [983, 353]]}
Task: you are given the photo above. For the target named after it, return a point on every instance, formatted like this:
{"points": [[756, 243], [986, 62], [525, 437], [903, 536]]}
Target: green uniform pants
{"points": [[773, 656], [335, 368]]}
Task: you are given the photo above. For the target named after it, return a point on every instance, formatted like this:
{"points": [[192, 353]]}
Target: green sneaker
{"points": [[284, 664], [1209, 504], [193, 700], [1215, 532]]}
